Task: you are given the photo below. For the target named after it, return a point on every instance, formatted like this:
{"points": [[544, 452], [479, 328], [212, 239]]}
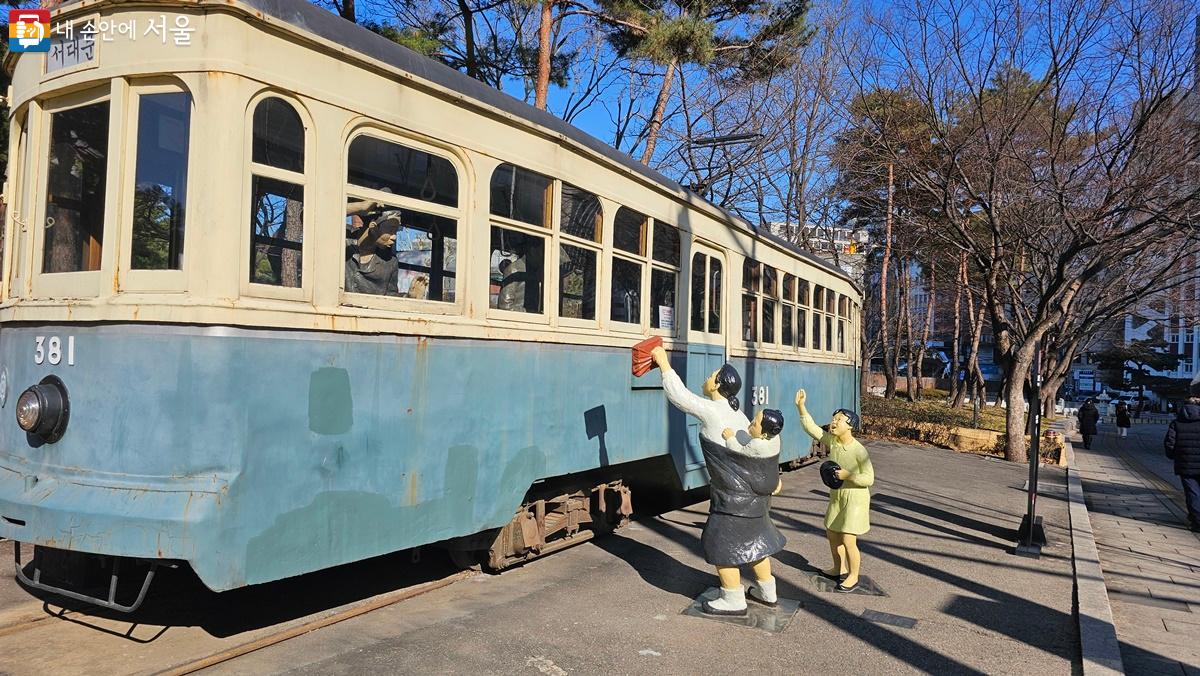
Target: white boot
{"points": [[731, 602], [763, 591]]}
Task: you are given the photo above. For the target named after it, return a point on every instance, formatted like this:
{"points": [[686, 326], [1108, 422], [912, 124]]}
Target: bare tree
{"points": [[1051, 153]]}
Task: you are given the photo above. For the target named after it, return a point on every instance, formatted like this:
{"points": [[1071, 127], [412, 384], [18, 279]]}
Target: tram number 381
{"points": [[760, 396], [50, 349]]}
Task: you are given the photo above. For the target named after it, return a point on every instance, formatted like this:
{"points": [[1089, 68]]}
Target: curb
{"points": [[1100, 651]]}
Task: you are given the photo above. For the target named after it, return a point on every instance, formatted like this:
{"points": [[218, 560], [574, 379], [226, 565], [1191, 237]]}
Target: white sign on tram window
{"points": [[70, 49], [666, 317]]}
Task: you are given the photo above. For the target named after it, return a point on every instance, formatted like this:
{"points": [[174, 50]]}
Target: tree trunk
{"points": [[660, 109], [1014, 388], [925, 329], [906, 320], [889, 372], [544, 48], [956, 385], [1014, 417], [1050, 388], [346, 9]]}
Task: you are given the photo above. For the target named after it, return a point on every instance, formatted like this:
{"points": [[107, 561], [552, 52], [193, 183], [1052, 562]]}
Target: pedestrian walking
{"points": [[1123, 422], [1088, 416], [1182, 444]]}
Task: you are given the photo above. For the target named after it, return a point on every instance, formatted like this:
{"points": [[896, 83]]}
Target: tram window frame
{"points": [[638, 258], [84, 283], [751, 279], [545, 232], [593, 246], [787, 314], [803, 313], [304, 180], [390, 201], [12, 253], [710, 269], [761, 295], [818, 313], [664, 267], [843, 312], [170, 279]]}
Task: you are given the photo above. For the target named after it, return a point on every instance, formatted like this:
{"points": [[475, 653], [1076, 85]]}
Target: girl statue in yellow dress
{"points": [[848, 515]]}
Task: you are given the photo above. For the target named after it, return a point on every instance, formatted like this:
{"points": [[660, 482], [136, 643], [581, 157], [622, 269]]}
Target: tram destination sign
{"points": [[70, 48]]}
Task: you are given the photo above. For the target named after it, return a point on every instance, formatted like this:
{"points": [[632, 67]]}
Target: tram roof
{"points": [[325, 24]]}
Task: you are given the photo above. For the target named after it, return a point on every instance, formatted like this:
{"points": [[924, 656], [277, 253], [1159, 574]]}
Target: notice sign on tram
{"points": [[70, 48]]}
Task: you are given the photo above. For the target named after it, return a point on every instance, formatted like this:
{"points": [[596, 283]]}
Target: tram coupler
{"points": [[110, 602]]}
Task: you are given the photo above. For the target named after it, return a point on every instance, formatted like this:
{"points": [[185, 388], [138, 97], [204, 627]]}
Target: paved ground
{"points": [[1151, 562], [943, 524]]}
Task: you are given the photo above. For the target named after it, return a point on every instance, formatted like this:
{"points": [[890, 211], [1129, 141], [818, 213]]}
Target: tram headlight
{"points": [[29, 410], [43, 410]]}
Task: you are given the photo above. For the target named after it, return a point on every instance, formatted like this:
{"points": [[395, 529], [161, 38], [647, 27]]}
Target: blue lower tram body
{"points": [[258, 455]]}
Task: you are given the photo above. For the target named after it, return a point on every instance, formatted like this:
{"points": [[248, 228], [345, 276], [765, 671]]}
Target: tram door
{"points": [[705, 344]]}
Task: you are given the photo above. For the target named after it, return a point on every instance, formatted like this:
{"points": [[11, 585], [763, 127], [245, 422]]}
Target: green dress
{"points": [[849, 506]]}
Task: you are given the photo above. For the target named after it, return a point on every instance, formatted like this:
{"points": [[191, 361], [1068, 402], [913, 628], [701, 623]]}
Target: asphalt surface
{"points": [[943, 527]]}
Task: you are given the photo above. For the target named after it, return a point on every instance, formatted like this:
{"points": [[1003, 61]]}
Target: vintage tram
{"points": [[193, 371]]}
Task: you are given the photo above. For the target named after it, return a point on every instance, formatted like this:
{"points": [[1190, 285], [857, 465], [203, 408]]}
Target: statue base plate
{"points": [[866, 586], [757, 615]]}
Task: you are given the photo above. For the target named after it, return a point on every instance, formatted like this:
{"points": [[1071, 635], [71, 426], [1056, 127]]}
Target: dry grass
{"points": [[932, 421], [932, 408]]}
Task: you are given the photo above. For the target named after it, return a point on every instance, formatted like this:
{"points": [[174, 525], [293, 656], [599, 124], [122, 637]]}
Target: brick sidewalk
{"points": [[1151, 561]]}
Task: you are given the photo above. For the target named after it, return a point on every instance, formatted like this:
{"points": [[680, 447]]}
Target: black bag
{"points": [[829, 470]]}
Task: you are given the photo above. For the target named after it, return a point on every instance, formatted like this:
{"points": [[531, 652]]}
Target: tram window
{"points": [[521, 195], [749, 318], [714, 296], [629, 231], [160, 184], [517, 264], [801, 327], [391, 251], [768, 320], [75, 189], [830, 301], [626, 291], [818, 299], [816, 333], [277, 232], [664, 273], [842, 336], [666, 244], [788, 311], [662, 299], [580, 213], [769, 279], [801, 292], [828, 333], [577, 283], [278, 135], [698, 292], [750, 275], [391, 167]]}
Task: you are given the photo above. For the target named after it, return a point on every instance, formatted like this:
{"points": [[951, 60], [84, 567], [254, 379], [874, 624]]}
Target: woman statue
{"points": [[743, 467]]}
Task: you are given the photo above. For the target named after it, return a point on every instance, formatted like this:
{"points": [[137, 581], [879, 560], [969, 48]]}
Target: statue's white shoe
{"points": [[763, 591], [731, 602]]}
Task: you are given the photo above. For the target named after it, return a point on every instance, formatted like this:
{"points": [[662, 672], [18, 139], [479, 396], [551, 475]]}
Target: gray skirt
{"points": [[733, 540]]}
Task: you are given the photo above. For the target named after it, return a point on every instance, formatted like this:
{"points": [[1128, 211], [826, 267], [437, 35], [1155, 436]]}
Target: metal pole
{"points": [[1035, 434]]}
